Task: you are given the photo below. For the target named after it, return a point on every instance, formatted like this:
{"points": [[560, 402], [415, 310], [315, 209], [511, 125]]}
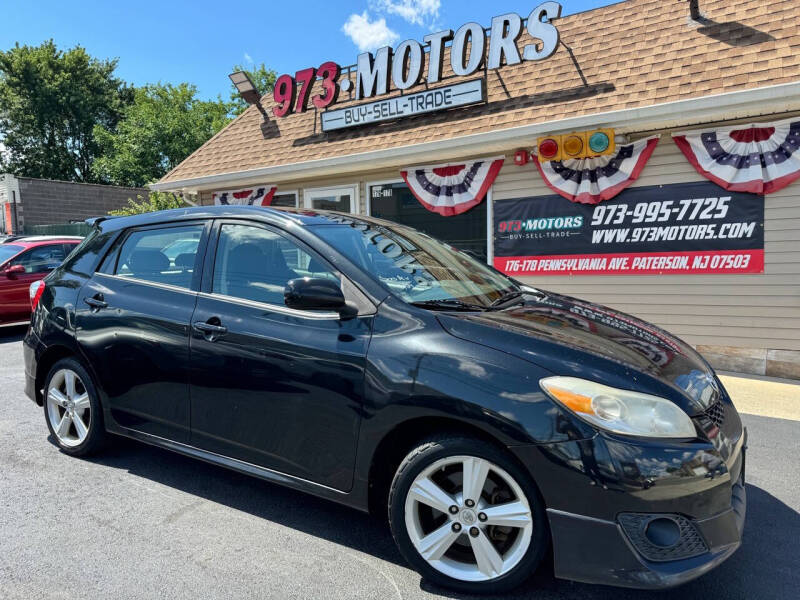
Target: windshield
{"points": [[413, 265], [7, 251]]}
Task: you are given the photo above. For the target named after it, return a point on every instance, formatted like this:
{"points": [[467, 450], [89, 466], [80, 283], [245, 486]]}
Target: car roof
{"points": [[31, 242], [278, 216]]}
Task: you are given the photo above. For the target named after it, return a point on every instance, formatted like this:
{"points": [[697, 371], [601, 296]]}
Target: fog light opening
{"points": [[663, 532]]}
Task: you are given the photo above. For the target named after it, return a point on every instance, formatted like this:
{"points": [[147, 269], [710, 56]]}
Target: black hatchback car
{"points": [[367, 363]]}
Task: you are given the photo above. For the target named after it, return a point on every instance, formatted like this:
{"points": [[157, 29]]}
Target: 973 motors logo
{"points": [[542, 224]]}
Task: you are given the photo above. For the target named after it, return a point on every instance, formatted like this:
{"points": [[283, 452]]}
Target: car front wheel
{"points": [[466, 516]]}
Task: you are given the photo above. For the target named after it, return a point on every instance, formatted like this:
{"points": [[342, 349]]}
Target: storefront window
{"points": [[341, 199], [288, 199], [467, 231]]}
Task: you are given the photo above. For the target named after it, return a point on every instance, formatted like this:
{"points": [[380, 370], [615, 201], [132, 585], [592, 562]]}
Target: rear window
{"points": [[83, 257], [7, 251]]}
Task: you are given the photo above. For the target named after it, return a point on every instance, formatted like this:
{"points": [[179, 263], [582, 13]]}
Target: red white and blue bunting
{"points": [[593, 180], [260, 195], [756, 158], [455, 188]]}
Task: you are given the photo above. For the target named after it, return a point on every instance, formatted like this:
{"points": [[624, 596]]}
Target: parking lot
{"points": [[140, 522]]}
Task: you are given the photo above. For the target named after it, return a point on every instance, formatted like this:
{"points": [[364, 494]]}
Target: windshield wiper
{"points": [[509, 296], [449, 303]]}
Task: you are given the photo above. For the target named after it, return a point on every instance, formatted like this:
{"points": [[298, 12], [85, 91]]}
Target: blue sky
{"points": [[199, 41]]}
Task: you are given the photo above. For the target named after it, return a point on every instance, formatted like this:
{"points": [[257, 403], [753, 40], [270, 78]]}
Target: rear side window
{"points": [[165, 256], [83, 258]]}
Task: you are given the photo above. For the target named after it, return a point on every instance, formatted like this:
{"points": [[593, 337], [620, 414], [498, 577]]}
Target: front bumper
{"points": [[602, 493], [598, 551]]}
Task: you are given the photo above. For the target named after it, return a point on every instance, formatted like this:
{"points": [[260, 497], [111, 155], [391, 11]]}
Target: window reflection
{"points": [[414, 265]]}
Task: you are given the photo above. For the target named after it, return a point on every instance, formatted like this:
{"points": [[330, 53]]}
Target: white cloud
{"points": [[368, 35], [417, 12], [248, 59]]}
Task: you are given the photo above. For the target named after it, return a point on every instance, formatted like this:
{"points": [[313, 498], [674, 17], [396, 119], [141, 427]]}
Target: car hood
{"points": [[571, 337]]}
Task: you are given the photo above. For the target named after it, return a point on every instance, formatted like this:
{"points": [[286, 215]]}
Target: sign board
{"points": [[419, 103], [472, 48], [677, 229]]}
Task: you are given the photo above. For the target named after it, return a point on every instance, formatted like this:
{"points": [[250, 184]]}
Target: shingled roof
{"points": [[632, 54]]}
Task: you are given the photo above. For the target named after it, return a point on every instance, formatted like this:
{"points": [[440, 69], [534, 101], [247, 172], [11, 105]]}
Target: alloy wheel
{"points": [[468, 518], [68, 407]]}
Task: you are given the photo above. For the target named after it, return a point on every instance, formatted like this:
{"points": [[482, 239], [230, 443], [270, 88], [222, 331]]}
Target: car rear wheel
{"points": [[466, 516], [72, 408]]}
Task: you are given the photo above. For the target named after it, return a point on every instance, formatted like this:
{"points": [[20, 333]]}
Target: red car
{"points": [[22, 262]]}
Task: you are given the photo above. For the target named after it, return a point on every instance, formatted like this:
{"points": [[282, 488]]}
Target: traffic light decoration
{"points": [[576, 145], [596, 177]]}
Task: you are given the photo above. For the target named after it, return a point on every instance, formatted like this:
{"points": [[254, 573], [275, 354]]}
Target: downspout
{"points": [[15, 222]]}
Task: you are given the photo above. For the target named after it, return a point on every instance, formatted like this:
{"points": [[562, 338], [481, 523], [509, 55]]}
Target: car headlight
{"points": [[620, 411]]}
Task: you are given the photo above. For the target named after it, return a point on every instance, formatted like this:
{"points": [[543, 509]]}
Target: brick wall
{"points": [[46, 202]]}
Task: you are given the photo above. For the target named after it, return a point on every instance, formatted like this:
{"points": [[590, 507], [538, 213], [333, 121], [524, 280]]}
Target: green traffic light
{"points": [[599, 142]]}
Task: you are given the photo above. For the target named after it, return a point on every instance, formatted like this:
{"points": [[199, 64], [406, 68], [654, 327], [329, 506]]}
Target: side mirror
{"points": [[314, 293], [14, 270]]}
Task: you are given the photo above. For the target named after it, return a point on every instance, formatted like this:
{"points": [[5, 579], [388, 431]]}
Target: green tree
{"points": [[263, 79], [162, 126], [50, 102], [155, 201]]}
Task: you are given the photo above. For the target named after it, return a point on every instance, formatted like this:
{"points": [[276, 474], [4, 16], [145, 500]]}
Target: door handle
{"points": [[210, 331], [96, 302]]}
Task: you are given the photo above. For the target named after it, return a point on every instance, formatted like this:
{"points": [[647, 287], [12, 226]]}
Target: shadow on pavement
{"points": [[764, 567], [10, 335]]}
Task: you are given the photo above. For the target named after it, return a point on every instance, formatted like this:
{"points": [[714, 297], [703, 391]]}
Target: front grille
{"points": [[716, 412], [688, 544]]}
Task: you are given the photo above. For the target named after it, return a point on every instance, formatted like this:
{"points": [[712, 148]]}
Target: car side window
{"points": [[165, 255], [255, 264], [41, 259]]}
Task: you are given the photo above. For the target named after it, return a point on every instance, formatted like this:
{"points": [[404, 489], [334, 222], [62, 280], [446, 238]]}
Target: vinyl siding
{"points": [[748, 311]]}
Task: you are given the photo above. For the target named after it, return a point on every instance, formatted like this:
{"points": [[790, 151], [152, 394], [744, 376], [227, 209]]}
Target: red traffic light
{"points": [[548, 148]]}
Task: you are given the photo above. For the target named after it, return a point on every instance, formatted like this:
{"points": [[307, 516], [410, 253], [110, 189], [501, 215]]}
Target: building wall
{"points": [[740, 322], [45, 202], [747, 323]]}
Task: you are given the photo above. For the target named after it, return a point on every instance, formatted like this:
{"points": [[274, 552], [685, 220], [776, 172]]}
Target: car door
{"points": [[133, 319], [272, 386], [37, 262]]}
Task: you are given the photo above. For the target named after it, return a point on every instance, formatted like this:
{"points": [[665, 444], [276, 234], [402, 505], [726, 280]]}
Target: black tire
{"points": [[434, 449], [96, 436]]}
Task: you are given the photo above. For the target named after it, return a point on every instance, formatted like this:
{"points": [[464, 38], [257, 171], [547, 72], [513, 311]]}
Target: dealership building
{"points": [[644, 155]]}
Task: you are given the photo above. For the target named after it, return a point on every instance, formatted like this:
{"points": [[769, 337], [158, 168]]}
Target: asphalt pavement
{"points": [[140, 522]]}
